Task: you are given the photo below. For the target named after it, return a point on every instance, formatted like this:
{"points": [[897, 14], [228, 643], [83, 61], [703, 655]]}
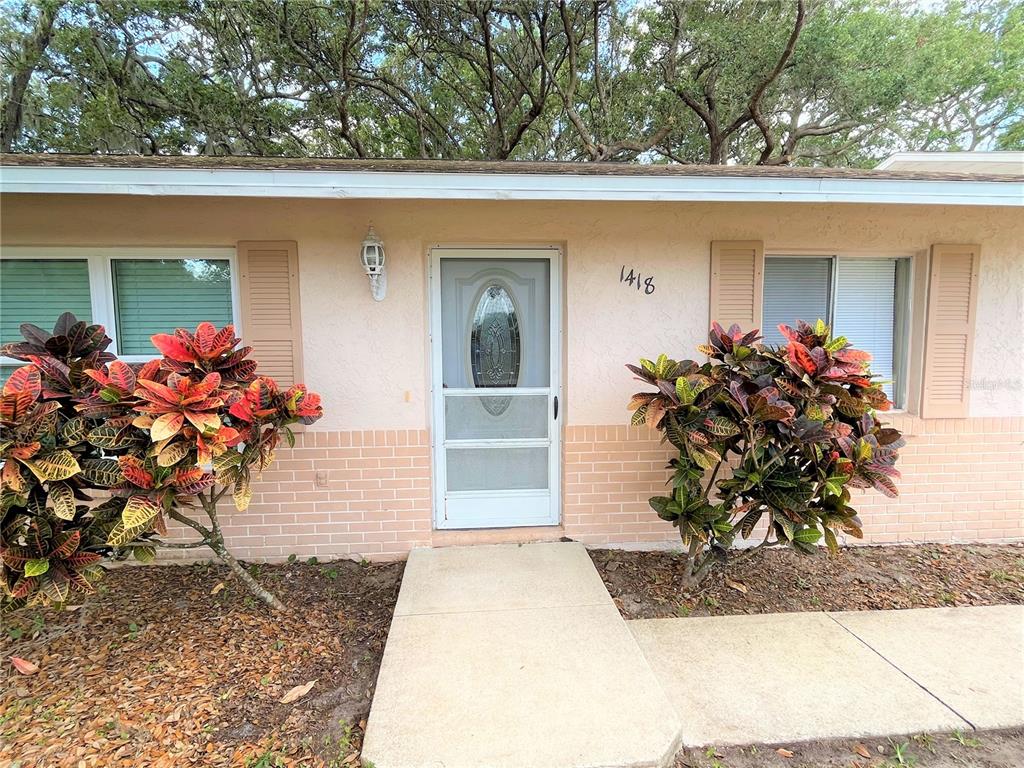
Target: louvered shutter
{"points": [[737, 268], [269, 286], [949, 334]]}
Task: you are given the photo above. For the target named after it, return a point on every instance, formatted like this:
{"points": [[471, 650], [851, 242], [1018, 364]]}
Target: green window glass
{"points": [[158, 295], [38, 291]]}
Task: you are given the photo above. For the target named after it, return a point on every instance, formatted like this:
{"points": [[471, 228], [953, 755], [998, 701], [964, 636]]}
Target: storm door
{"points": [[495, 358]]}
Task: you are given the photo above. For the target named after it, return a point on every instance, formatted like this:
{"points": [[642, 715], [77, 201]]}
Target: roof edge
{"points": [[247, 162], [955, 158], [468, 180]]}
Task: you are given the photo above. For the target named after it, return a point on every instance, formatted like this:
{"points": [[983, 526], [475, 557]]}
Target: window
{"points": [[133, 292], [862, 298], [38, 291], [156, 295]]}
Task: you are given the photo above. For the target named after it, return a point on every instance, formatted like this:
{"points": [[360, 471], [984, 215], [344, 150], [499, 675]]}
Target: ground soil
{"points": [[647, 584], [974, 749], [178, 666]]}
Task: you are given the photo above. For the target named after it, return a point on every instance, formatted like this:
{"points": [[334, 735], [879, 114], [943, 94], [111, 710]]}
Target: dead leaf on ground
{"points": [[739, 586], [297, 692], [218, 588], [24, 666], [863, 751], [783, 752]]}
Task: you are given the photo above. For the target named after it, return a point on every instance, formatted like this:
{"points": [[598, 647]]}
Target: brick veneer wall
{"points": [[336, 494], [368, 494], [963, 480]]}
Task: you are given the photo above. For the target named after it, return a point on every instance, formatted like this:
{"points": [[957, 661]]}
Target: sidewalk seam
{"points": [[602, 604], [892, 664]]}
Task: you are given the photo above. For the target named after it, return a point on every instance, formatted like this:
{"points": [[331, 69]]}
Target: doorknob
{"points": [[556, 406]]}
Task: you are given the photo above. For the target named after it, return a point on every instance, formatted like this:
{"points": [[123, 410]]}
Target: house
{"points": [[1004, 163], [477, 393]]}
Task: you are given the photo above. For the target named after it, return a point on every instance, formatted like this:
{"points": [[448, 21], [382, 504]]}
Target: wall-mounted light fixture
{"points": [[372, 258]]}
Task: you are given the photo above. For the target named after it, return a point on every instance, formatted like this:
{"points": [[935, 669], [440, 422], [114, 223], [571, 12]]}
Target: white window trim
{"points": [[912, 257], [101, 280]]}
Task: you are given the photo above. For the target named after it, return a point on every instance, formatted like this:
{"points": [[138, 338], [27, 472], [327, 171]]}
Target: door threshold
{"points": [[519, 535]]}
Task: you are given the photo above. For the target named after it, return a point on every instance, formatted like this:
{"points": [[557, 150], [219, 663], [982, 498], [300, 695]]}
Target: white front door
{"points": [[495, 356]]}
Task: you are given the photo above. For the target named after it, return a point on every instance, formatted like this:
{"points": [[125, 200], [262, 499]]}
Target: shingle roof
{"points": [[199, 162]]}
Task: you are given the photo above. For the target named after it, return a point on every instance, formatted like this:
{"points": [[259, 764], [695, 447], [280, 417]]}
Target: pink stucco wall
{"points": [[370, 360]]}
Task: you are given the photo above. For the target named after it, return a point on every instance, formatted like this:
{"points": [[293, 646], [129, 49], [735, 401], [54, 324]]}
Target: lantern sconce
{"points": [[372, 257]]}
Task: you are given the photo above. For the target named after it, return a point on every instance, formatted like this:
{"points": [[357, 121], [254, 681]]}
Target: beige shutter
{"points": [[737, 281], [949, 333], [269, 286]]}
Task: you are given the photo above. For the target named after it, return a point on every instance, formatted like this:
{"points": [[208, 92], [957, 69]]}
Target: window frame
{"points": [[907, 353], [101, 279]]}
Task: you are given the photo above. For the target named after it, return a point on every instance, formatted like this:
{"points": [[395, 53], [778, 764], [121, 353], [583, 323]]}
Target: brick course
{"points": [[336, 494], [963, 480], [368, 493]]}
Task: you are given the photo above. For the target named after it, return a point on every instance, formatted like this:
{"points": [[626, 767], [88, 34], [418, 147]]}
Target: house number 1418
{"points": [[639, 281]]}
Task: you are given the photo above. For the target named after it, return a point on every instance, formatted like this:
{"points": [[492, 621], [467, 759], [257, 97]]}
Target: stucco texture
{"points": [[359, 481], [370, 360]]}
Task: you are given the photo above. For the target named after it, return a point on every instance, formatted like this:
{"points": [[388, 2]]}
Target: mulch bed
{"points": [[971, 749], [647, 584], [178, 666]]}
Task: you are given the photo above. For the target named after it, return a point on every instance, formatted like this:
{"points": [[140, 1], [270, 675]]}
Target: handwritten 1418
{"points": [[637, 280]]}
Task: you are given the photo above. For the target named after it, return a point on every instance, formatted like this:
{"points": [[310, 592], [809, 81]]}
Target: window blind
{"points": [[158, 295], [38, 291], [865, 311], [795, 289]]}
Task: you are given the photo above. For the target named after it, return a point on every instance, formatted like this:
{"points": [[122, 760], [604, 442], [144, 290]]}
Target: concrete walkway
{"points": [[800, 676], [514, 656]]}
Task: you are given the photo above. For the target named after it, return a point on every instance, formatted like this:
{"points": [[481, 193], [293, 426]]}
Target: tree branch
{"points": [[35, 45]]}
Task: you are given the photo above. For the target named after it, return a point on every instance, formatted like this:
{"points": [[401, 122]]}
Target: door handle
{"points": [[556, 407]]}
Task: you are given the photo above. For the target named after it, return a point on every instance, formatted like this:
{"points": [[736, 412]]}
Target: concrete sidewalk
{"points": [[800, 676], [514, 656]]}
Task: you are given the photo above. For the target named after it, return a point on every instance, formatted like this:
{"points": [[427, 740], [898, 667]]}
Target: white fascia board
{"points": [[230, 182]]}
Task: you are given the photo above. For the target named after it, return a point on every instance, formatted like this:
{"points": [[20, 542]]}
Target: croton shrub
{"points": [[765, 434], [98, 455]]}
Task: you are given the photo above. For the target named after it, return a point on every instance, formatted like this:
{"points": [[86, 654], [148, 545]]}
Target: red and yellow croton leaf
{"points": [[171, 453], [22, 451], [63, 499], [59, 465], [166, 426], [174, 348], [189, 482], [20, 391], [203, 421], [67, 543], [215, 443], [139, 511], [11, 477], [135, 472], [118, 377], [800, 358]]}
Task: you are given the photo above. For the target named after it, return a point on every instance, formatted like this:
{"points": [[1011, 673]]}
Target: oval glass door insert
{"points": [[495, 345]]}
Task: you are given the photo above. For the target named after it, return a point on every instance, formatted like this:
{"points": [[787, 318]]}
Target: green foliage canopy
{"points": [[833, 82]]}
